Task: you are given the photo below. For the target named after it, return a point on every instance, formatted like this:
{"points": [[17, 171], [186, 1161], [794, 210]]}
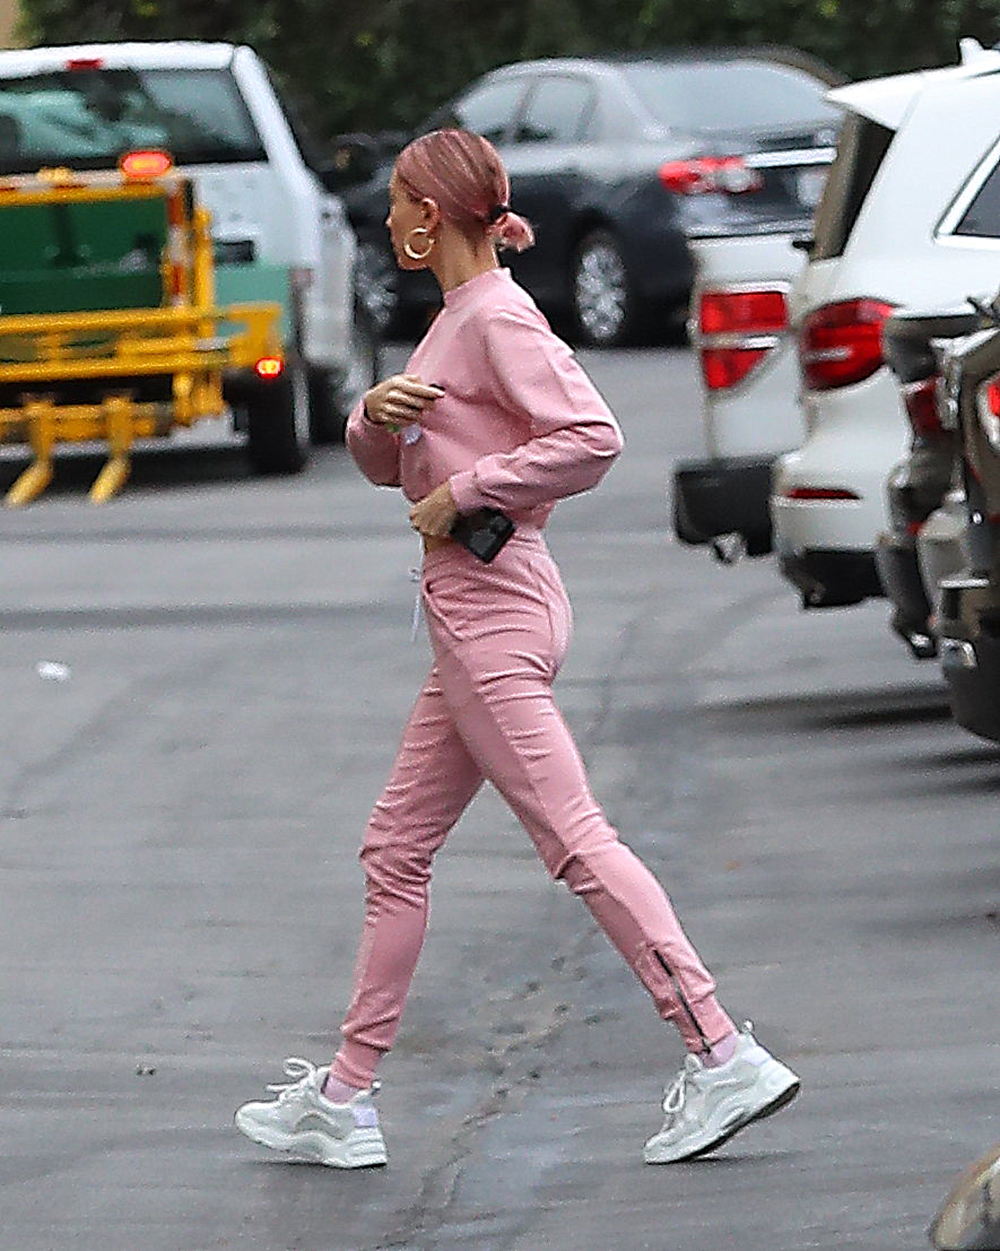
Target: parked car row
{"points": [[833, 441], [619, 162]]}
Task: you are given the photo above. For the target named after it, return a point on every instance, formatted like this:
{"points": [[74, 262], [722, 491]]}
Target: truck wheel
{"points": [[333, 393], [278, 422], [605, 306]]}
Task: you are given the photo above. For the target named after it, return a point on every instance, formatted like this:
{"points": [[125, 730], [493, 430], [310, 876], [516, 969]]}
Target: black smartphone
{"points": [[483, 532]]}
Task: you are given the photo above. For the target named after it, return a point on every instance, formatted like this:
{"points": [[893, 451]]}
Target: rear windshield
{"points": [[87, 118], [730, 95], [860, 153], [982, 218]]}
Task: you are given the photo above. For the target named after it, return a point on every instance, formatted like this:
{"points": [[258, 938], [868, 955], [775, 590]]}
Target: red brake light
{"points": [[841, 344], [820, 493], [988, 403], [85, 63], [725, 367], [738, 328], [742, 312], [920, 402], [710, 173], [269, 367], [146, 164]]}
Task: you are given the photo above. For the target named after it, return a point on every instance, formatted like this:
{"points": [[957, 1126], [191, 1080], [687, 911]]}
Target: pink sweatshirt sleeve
{"points": [[574, 437], [374, 448]]}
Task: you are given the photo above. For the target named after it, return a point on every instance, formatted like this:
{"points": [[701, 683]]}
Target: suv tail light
{"points": [[704, 174], [822, 494], [920, 402], [988, 403], [737, 328], [840, 344]]}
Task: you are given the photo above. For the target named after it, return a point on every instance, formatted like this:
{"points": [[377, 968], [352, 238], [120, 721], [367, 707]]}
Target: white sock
{"points": [[721, 1052], [339, 1092]]}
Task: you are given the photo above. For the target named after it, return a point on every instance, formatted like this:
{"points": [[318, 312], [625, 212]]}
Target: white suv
{"points": [[885, 236]]}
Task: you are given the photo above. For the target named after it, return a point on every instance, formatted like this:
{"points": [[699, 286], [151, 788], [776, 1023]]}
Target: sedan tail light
{"points": [[841, 344], [988, 403], [737, 328], [920, 401], [705, 174]]}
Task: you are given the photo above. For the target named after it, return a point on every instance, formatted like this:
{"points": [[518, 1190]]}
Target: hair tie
{"points": [[498, 211]]}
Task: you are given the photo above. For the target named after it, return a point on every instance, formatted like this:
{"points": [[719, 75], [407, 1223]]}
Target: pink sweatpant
{"points": [[499, 634]]}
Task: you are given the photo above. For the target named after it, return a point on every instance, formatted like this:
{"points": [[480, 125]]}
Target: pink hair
{"points": [[464, 175]]}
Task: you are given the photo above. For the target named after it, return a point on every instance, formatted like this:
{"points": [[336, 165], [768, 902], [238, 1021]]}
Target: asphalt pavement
{"points": [[225, 668]]}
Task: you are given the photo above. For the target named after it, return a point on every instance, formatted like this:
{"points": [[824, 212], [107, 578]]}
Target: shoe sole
{"points": [[365, 1152], [781, 1100]]}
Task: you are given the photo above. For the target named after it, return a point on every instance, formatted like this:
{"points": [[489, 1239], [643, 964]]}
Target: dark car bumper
{"points": [[713, 497], [829, 578], [899, 572], [970, 657]]}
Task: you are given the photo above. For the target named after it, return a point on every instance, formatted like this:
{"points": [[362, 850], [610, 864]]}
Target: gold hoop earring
{"points": [[408, 247]]}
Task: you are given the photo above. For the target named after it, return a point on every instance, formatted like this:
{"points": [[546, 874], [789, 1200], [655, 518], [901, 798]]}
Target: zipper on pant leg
{"points": [[682, 999]]}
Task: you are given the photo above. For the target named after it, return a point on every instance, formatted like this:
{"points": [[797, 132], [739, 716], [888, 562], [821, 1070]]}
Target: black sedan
{"points": [[617, 162]]}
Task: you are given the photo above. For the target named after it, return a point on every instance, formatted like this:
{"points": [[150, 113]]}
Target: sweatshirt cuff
{"points": [[464, 491]]}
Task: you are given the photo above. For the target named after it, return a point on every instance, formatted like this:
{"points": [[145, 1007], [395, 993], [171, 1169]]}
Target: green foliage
{"points": [[372, 64]]}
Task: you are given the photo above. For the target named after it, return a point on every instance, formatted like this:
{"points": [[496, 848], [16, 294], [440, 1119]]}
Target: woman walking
{"points": [[494, 412]]}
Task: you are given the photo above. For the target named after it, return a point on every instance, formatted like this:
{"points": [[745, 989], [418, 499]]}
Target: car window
{"points": [[860, 153], [89, 118], [982, 218], [490, 110], [557, 112], [729, 95]]}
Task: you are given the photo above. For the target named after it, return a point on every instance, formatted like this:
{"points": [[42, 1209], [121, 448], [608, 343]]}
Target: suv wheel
{"points": [[278, 422], [333, 393], [604, 306]]}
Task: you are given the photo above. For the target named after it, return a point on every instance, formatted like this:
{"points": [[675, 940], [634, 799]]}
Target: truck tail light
{"points": [[736, 329], [81, 64], [146, 164], [841, 344], [269, 367], [988, 403], [920, 402], [705, 174]]}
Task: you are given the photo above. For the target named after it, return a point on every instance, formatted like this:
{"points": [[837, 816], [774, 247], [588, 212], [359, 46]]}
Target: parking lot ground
{"points": [[178, 820]]}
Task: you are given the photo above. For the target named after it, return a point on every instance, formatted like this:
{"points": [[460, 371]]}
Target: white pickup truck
{"points": [[279, 233]]}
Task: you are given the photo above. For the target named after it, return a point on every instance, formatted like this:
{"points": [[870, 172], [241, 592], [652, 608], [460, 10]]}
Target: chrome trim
{"points": [[958, 654], [964, 582], [735, 340], [790, 160]]}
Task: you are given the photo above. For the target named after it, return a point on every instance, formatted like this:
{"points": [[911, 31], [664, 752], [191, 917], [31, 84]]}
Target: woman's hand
{"points": [[399, 400], [435, 514]]}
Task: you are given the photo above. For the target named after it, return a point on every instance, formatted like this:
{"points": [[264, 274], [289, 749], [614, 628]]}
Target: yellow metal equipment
{"points": [[114, 374]]}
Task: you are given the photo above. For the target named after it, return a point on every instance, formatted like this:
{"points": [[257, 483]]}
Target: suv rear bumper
{"points": [[724, 496], [829, 578]]}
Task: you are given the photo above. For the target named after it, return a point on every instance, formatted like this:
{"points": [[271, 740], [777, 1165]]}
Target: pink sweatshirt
{"points": [[520, 424]]}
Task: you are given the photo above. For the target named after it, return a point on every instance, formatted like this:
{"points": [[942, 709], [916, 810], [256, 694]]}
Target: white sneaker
{"points": [[705, 1107], [308, 1125]]}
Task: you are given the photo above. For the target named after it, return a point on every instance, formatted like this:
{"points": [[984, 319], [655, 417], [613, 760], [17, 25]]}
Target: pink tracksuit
{"points": [[519, 427]]}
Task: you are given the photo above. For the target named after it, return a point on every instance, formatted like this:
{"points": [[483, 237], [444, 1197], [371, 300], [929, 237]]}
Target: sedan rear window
{"points": [[735, 95], [87, 118]]}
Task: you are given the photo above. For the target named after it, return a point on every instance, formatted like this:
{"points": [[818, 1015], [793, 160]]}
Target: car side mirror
{"points": [[803, 243]]}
